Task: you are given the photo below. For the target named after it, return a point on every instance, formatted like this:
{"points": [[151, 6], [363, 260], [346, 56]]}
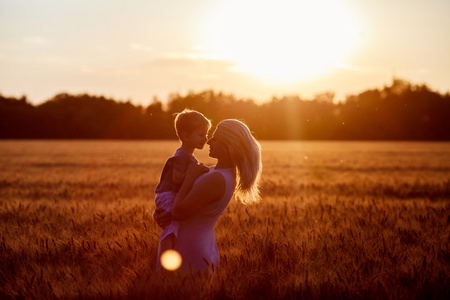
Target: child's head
{"points": [[189, 123]]}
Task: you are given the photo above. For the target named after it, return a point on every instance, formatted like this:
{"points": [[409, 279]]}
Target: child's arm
{"points": [[180, 165], [177, 176], [191, 198]]}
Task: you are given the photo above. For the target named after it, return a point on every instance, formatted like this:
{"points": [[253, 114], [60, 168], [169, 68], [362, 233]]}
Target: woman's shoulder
{"points": [[223, 175], [214, 175], [213, 178], [225, 172]]}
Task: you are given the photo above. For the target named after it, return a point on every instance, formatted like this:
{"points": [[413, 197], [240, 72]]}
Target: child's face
{"points": [[197, 138]]}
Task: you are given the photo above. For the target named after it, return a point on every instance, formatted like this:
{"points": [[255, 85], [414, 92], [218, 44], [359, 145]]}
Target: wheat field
{"points": [[337, 220]]}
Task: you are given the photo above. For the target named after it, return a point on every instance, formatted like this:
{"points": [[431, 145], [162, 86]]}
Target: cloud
{"points": [[141, 47], [191, 60], [35, 40], [86, 70], [367, 69], [108, 71]]}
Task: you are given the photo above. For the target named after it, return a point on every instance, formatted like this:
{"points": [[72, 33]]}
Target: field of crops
{"points": [[340, 220]]}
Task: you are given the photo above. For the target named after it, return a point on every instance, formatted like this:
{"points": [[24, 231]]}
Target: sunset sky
{"points": [[135, 50]]}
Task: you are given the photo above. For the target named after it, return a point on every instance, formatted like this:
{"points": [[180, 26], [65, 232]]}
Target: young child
{"points": [[192, 129]]}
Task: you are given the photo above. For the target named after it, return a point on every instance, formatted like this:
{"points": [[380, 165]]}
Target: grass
{"points": [[337, 220]]}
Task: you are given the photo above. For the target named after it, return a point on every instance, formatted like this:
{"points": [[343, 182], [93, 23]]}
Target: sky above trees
{"points": [[135, 50]]}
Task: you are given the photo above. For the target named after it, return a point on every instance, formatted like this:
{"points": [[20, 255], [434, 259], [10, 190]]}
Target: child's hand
{"points": [[195, 170], [205, 168]]}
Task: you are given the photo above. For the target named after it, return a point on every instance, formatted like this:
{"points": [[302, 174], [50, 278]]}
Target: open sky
{"points": [[137, 49]]}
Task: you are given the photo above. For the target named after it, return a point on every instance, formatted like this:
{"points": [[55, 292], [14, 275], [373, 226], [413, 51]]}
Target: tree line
{"points": [[401, 111]]}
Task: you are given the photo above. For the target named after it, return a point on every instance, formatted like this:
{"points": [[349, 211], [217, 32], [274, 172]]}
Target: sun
{"points": [[282, 40]]}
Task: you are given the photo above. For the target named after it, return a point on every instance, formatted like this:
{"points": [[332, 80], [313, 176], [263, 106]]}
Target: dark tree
{"points": [[401, 111]]}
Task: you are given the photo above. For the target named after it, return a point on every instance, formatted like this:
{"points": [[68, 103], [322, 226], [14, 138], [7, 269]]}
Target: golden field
{"points": [[337, 220]]}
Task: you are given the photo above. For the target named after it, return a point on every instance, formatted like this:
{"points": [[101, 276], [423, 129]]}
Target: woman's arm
{"points": [[191, 198]]}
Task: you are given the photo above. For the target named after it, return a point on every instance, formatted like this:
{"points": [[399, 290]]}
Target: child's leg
{"points": [[167, 243]]}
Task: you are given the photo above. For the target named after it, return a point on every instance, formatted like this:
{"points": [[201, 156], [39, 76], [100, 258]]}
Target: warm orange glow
{"points": [[171, 260], [286, 40]]}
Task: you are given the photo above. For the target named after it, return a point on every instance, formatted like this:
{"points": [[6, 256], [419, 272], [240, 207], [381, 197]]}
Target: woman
{"points": [[203, 198]]}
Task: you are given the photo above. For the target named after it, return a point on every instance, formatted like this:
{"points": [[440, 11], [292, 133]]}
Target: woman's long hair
{"points": [[245, 152]]}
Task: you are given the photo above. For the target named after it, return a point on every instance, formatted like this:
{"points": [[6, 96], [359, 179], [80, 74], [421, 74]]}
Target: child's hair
{"points": [[189, 120], [245, 152]]}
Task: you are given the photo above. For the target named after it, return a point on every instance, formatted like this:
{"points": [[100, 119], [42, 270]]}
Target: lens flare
{"points": [[171, 260]]}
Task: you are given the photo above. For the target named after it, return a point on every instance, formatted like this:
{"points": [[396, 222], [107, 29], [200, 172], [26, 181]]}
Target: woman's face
{"points": [[217, 147]]}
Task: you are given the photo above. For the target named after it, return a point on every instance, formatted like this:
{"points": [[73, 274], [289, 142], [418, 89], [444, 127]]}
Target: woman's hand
{"points": [[163, 219]]}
